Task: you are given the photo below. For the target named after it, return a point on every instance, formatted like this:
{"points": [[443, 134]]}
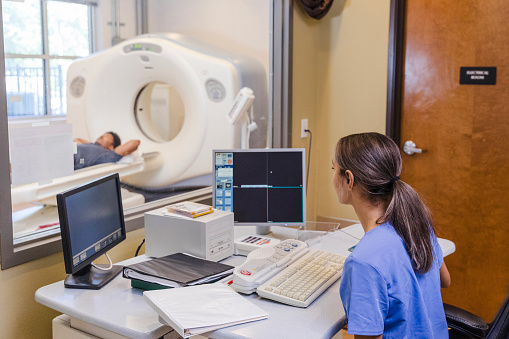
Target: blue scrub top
{"points": [[382, 293]]}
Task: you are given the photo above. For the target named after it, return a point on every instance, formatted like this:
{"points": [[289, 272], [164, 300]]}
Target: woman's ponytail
{"points": [[412, 220]]}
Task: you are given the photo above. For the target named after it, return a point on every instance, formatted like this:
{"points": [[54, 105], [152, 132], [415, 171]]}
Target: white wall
{"points": [[237, 26], [104, 18]]}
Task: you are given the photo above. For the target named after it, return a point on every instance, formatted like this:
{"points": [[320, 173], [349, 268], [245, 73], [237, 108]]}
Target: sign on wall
{"points": [[478, 75]]}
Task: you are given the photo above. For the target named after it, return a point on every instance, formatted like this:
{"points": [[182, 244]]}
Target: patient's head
{"points": [[109, 140]]}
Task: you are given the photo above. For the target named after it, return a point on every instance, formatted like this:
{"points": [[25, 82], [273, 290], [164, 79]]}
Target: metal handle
{"points": [[409, 148]]}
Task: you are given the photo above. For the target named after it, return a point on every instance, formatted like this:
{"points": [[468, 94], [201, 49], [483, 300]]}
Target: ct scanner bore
{"points": [[159, 112]]}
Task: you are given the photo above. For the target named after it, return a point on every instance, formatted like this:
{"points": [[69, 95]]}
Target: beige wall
{"points": [[20, 315], [339, 84]]}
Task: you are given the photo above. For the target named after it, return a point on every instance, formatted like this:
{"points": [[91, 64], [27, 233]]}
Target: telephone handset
{"points": [[265, 262]]}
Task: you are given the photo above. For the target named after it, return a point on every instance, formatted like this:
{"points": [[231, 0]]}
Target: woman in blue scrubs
{"points": [[391, 282]]}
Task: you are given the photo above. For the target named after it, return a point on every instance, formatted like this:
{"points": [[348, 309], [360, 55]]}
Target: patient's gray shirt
{"points": [[93, 154]]}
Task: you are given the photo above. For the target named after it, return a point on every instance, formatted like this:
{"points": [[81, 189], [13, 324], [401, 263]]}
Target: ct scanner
{"points": [[172, 94]]}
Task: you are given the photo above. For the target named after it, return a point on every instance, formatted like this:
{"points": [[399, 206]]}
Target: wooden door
{"points": [[464, 175]]}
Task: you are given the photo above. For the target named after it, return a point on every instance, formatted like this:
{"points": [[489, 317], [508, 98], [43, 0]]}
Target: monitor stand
{"points": [[262, 230], [91, 278]]}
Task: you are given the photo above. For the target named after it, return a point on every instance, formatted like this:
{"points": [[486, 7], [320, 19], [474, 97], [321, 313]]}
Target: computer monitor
{"points": [[262, 187], [91, 223]]}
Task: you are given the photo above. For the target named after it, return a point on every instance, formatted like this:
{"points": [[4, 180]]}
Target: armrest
{"points": [[343, 321], [465, 322]]}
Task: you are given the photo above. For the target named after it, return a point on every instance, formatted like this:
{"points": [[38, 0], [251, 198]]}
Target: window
{"points": [[35, 34], [41, 38]]}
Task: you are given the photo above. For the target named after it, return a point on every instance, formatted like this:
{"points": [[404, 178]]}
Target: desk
{"points": [[120, 309]]}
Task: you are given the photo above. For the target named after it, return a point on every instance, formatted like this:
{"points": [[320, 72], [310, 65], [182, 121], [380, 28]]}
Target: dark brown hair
{"points": [[116, 139], [375, 161]]}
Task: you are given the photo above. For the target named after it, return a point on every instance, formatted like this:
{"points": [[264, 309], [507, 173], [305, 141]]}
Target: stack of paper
{"points": [[177, 270], [199, 309], [190, 209]]}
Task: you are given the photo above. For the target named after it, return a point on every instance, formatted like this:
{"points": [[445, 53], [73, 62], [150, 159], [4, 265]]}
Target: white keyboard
{"points": [[304, 280]]}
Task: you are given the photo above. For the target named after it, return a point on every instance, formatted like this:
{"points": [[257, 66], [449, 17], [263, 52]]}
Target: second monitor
{"points": [[91, 223], [262, 187]]}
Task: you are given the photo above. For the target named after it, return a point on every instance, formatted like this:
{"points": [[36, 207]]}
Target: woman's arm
{"points": [[445, 277]]}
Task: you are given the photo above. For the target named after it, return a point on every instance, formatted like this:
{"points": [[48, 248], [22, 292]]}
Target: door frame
{"points": [[395, 69]]}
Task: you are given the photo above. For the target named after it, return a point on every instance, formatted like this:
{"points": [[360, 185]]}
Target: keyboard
{"points": [[304, 280]]}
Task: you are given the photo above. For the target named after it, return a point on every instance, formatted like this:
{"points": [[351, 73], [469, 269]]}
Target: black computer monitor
{"points": [[91, 223], [262, 187]]}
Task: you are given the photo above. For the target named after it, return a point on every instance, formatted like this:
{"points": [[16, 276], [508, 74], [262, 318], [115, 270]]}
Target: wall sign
{"points": [[478, 75]]}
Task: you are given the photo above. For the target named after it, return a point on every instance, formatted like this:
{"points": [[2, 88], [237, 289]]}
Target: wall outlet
{"points": [[303, 128]]}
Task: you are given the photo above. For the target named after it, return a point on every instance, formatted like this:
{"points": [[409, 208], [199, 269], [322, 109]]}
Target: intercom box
{"points": [[208, 236]]}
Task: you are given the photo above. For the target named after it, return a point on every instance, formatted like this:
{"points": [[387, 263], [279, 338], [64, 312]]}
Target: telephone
{"points": [[263, 263]]}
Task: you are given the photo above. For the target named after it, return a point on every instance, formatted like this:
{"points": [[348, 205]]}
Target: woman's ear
{"points": [[349, 178]]}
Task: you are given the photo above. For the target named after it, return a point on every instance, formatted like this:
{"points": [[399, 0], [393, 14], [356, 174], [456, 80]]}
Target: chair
{"points": [[464, 324]]}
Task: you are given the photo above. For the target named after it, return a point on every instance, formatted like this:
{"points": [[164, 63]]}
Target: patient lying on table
{"points": [[107, 148]]}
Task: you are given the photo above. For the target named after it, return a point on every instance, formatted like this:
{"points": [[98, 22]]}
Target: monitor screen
{"points": [[262, 187], [91, 222]]}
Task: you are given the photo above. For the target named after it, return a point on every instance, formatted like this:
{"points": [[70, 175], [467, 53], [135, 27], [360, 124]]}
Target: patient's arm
{"points": [[127, 148], [80, 141]]}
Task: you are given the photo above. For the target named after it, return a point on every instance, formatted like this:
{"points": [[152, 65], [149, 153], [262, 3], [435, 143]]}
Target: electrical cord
{"points": [[309, 157], [251, 126], [105, 268], [139, 247]]}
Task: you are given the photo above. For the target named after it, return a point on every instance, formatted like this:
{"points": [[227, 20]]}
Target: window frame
{"points": [[46, 57], [12, 254]]}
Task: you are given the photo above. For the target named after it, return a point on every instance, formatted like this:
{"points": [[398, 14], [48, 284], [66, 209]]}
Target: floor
{"points": [[346, 335], [343, 334]]}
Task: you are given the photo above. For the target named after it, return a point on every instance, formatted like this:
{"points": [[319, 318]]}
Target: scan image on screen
{"points": [[261, 186]]}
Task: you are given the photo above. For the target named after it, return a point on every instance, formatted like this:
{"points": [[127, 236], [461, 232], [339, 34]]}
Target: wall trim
{"points": [[395, 69]]}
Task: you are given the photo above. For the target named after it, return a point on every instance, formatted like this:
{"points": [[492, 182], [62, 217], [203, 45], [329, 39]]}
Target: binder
{"points": [[146, 286], [177, 270], [203, 308]]}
